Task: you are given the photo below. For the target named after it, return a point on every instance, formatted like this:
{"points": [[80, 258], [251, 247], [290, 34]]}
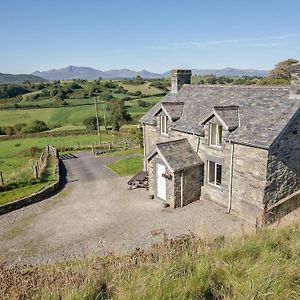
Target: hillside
{"points": [[20, 78], [259, 266]]}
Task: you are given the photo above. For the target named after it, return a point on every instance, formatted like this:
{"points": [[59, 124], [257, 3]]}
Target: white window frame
{"points": [[215, 182], [218, 138], [163, 124]]}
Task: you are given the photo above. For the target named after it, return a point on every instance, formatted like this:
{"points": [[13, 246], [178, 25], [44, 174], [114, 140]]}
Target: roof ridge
{"points": [[173, 141]]}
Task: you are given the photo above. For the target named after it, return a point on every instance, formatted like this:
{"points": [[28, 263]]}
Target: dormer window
{"points": [[163, 124], [215, 135]]}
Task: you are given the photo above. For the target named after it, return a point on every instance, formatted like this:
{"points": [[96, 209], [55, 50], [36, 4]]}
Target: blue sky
{"points": [[156, 35]]}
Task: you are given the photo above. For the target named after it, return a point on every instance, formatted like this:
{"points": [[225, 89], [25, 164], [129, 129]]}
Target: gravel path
{"points": [[96, 214]]}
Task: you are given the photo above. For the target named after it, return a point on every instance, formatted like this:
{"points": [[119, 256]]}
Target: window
{"points": [[214, 173], [215, 135], [163, 124]]}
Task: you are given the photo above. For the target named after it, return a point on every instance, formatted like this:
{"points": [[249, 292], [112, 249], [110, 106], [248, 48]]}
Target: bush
{"points": [[9, 130], [35, 126], [142, 103], [136, 135], [91, 123]]}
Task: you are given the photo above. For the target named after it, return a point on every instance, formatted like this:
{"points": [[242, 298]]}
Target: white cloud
{"points": [[269, 41]]}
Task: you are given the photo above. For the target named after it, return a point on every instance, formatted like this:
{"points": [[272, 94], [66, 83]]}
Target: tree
{"points": [[282, 69], [118, 113], [35, 126], [136, 135], [91, 123]]}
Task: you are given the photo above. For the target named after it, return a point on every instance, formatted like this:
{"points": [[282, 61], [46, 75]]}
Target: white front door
{"points": [[161, 183]]}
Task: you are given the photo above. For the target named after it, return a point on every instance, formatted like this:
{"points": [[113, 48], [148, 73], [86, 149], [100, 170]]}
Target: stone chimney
{"points": [[295, 80], [179, 78]]}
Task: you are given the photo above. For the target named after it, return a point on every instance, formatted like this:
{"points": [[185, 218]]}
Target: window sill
{"points": [[220, 148], [217, 187]]}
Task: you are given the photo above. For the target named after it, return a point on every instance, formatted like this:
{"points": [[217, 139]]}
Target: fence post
{"points": [[35, 172], [1, 178], [109, 146], [93, 149]]}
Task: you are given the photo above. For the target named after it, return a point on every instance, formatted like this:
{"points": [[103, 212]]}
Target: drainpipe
{"points": [[144, 142], [198, 144], [181, 188], [230, 177]]}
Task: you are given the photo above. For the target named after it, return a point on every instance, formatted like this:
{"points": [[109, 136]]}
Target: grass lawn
{"points": [[127, 166], [18, 193]]}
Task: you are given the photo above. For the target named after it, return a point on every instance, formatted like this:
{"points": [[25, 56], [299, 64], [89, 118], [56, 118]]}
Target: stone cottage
{"points": [[238, 146]]}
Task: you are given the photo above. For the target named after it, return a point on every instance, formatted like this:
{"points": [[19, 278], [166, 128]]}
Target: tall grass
{"points": [[261, 266]]}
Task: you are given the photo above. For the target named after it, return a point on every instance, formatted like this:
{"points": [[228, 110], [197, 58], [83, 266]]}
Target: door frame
{"points": [[159, 178]]}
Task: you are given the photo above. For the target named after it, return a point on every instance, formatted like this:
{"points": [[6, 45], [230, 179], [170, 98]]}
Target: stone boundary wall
{"points": [[43, 194], [282, 208]]}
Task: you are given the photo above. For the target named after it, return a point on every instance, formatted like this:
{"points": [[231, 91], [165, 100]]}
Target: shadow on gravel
{"points": [[63, 175]]}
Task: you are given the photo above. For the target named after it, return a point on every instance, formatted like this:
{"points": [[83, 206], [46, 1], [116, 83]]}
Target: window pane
{"points": [[163, 124], [219, 174], [211, 172], [213, 134], [220, 135]]}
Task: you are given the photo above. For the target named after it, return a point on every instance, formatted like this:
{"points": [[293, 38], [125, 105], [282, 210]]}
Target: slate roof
{"points": [[228, 114], [172, 108], [177, 155], [264, 111]]}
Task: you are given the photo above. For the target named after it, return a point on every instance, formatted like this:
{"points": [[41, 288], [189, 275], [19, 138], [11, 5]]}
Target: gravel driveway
{"points": [[96, 214]]}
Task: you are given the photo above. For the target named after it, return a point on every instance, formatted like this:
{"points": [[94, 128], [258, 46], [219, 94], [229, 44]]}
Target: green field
{"points": [[20, 192], [66, 116], [145, 88], [16, 159]]}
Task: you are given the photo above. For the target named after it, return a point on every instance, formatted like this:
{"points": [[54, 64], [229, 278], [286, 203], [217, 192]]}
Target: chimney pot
{"points": [[295, 80], [180, 77]]}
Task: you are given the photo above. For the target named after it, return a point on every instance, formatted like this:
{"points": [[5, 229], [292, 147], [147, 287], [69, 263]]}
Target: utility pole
{"points": [[104, 110], [97, 119]]}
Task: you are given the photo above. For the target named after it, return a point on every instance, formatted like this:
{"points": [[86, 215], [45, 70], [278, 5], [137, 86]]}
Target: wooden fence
{"points": [[40, 166]]}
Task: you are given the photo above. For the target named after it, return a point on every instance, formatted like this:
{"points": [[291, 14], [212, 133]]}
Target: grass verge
{"points": [[20, 192], [123, 152], [127, 166], [259, 266]]}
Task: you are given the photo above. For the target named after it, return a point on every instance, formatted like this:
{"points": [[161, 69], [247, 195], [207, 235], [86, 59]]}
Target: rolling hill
{"points": [[20, 78]]}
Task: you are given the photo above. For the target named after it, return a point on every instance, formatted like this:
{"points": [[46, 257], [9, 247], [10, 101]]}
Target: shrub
{"points": [[142, 103], [35, 126], [91, 123]]}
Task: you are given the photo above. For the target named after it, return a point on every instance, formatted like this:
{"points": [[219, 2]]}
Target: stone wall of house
{"points": [[248, 182], [192, 183], [248, 176], [283, 172]]}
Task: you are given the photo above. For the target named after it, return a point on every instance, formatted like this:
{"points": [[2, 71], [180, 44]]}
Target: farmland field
{"points": [[63, 116]]}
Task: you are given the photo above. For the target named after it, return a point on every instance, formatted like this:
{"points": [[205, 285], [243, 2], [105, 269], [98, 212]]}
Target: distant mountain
{"points": [[73, 72], [20, 78], [69, 73], [227, 72]]}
